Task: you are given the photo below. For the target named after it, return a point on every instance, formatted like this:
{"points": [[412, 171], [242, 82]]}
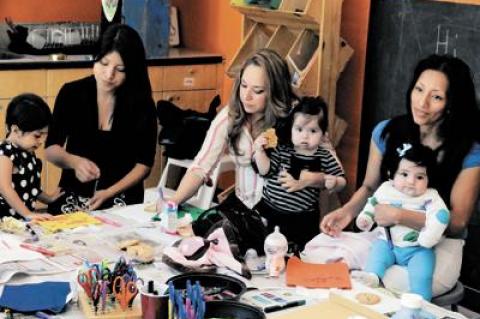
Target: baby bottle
{"points": [[275, 247], [172, 218]]}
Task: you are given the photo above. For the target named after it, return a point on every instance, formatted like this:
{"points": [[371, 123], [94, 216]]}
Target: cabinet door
{"points": [[21, 81], [57, 78], [193, 100], [155, 74], [3, 112], [190, 77]]}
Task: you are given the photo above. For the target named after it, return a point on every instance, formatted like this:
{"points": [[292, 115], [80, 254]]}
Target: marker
{"points": [[388, 234], [38, 249], [31, 231], [108, 221]]}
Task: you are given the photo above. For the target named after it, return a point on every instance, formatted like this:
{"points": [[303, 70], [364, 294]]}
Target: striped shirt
{"points": [[305, 199]]}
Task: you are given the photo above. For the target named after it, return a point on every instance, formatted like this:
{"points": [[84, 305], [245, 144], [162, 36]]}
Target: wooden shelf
{"points": [[256, 38]]}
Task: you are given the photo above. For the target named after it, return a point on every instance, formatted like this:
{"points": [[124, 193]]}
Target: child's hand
{"points": [[364, 223], [38, 217], [330, 181], [260, 143]]}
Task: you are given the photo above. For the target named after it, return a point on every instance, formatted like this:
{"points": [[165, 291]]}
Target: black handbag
{"points": [[183, 131]]}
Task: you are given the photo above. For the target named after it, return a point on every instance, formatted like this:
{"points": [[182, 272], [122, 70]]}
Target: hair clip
{"points": [[405, 147]]}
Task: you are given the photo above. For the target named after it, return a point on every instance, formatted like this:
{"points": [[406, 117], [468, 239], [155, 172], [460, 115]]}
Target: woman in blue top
{"points": [[442, 114]]}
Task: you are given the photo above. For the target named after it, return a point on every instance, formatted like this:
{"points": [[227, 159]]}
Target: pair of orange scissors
{"points": [[87, 280], [124, 291]]}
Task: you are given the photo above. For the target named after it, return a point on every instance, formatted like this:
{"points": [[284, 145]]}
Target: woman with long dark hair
{"points": [[442, 114], [104, 126]]}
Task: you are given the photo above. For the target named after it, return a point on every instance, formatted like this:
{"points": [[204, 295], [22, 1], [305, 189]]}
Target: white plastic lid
{"points": [[412, 301]]}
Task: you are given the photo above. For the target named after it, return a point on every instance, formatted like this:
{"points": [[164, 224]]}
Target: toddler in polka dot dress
{"points": [[27, 120]]}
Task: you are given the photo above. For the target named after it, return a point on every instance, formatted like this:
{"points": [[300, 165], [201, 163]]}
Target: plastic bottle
{"points": [[253, 262], [411, 307], [275, 246], [172, 218]]}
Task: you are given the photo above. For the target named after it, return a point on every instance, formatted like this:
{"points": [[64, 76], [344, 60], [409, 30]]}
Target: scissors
{"points": [[100, 293], [87, 280], [124, 291]]}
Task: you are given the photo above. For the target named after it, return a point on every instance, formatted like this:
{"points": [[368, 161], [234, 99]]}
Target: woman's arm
{"points": [[133, 177], [85, 170], [463, 198], [210, 154], [333, 223]]}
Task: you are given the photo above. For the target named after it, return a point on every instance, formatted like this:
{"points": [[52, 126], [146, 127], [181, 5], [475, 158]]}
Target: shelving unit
{"points": [[307, 34]]}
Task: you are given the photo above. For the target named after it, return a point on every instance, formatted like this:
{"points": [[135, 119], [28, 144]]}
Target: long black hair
{"points": [[136, 90], [458, 129], [29, 112]]}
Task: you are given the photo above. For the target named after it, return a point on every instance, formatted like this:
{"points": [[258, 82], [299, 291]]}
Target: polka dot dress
{"points": [[27, 170]]}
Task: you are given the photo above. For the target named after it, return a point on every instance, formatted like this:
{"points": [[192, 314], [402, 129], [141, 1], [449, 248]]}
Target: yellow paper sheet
{"points": [[68, 221]]}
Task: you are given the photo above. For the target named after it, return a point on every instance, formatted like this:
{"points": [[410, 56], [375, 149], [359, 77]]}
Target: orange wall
{"points": [[50, 10]]}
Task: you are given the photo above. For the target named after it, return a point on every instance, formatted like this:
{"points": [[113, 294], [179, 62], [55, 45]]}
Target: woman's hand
{"points": [[50, 198], [333, 223], [85, 170], [289, 183], [98, 199], [387, 215]]}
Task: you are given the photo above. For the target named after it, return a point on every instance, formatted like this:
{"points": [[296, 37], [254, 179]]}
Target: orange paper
{"points": [[308, 275]]}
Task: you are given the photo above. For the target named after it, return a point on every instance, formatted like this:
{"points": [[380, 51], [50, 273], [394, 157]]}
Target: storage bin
{"points": [[303, 55]]}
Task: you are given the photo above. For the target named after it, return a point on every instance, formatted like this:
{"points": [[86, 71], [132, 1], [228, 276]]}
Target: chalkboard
{"points": [[402, 32]]}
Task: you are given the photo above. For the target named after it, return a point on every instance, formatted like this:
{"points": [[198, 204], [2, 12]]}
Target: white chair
{"points": [[204, 197]]}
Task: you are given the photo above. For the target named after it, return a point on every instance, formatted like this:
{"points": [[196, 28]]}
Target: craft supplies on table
{"points": [[108, 292]]}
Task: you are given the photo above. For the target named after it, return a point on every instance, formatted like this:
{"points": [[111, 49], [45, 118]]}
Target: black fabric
{"points": [[299, 227], [183, 131], [243, 226], [131, 140]]}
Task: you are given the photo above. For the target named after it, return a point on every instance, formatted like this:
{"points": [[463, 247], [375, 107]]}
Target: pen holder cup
{"points": [[232, 309], [153, 306]]}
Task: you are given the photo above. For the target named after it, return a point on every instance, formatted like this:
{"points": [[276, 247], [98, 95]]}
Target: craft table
{"points": [[139, 219]]}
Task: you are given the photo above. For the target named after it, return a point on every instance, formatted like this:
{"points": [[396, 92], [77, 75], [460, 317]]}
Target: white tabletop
{"points": [[135, 219]]}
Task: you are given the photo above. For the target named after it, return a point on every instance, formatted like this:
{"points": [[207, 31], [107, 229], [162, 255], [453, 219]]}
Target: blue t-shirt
{"points": [[472, 159]]}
